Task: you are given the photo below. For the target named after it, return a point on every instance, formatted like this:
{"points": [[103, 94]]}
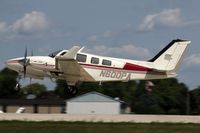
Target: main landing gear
{"points": [[71, 90]]}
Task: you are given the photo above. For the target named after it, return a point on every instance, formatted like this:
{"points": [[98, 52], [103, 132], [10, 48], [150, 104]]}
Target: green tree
{"points": [[86, 87], [123, 90], [60, 89], [8, 81], [147, 102], [34, 89], [174, 95], [168, 96], [195, 101]]}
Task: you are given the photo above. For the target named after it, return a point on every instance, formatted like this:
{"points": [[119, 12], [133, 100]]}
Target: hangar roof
{"points": [[93, 97]]}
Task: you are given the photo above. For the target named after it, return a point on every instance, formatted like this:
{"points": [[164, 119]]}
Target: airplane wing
{"points": [[71, 69]]}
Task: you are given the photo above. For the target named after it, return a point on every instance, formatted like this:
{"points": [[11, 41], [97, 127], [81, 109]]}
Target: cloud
{"points": [[128, 50], [33, 22], [109, 34], [44, 49], [105, 35], [3, 27], [92, 38], [166, 18], [193, 60]]}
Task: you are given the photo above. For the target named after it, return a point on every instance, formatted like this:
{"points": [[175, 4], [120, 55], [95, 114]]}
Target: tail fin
{"points": [[169, 58]]}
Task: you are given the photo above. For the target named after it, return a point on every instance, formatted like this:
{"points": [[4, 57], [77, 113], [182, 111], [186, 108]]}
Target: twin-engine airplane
{"points": [[75, 66]]}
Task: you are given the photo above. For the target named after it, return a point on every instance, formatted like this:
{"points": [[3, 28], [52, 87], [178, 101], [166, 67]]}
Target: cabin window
{"points": [[106, 62], [81, 58], [94, 60], [63, 53], [54, 53]]}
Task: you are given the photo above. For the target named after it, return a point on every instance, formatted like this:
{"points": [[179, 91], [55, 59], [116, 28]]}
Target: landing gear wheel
{"points": [[72, 90]]}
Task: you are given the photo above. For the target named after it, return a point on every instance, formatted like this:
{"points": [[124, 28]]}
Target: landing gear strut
{"points": [[71, 90], [18, 86]]}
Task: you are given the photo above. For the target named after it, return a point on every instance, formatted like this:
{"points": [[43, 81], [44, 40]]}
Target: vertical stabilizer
{"points": [[169, 58]]}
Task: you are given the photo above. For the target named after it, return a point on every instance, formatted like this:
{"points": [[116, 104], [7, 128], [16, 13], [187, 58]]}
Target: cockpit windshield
{"points": [[54, 53]]}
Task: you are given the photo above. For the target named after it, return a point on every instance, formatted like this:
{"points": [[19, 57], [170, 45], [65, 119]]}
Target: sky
{"points": [[134, 29]]}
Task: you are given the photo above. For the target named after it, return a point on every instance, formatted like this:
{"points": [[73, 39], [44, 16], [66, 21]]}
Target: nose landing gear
{"points": [[18, 86]]}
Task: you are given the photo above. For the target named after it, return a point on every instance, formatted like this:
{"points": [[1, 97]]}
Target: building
{"points": [[95, 103], [89, 103], [42, 106]]}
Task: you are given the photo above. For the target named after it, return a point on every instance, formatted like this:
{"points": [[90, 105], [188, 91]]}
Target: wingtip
{"points": [[81, 48]]}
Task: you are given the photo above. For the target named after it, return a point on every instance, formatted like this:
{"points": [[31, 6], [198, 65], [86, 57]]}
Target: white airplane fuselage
{"points": [[96, 68], [119, 70]]}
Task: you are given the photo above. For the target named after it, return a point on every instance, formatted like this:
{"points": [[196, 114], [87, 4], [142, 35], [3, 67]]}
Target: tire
{"points": [[72, 90]]}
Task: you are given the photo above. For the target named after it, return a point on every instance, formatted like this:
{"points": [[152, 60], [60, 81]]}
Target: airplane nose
{"points": [[8, 62], [11, 63]]}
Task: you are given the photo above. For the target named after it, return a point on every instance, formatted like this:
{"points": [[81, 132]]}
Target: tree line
{"points": [[167, 96]]}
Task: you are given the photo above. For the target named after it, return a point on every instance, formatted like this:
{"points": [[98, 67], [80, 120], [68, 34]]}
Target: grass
{"points": [[87, 127]]}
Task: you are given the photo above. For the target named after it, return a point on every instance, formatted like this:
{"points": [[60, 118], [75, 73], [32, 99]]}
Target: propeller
{"points": [[25, 62], [29, 63]]}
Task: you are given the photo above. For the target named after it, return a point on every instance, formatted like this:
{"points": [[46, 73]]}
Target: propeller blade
{"points": [[25, 54], [25, 62], [24, 71]]}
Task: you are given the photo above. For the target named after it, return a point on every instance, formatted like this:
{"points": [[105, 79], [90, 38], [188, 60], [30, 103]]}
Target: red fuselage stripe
{"points": [[127, 66]]}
